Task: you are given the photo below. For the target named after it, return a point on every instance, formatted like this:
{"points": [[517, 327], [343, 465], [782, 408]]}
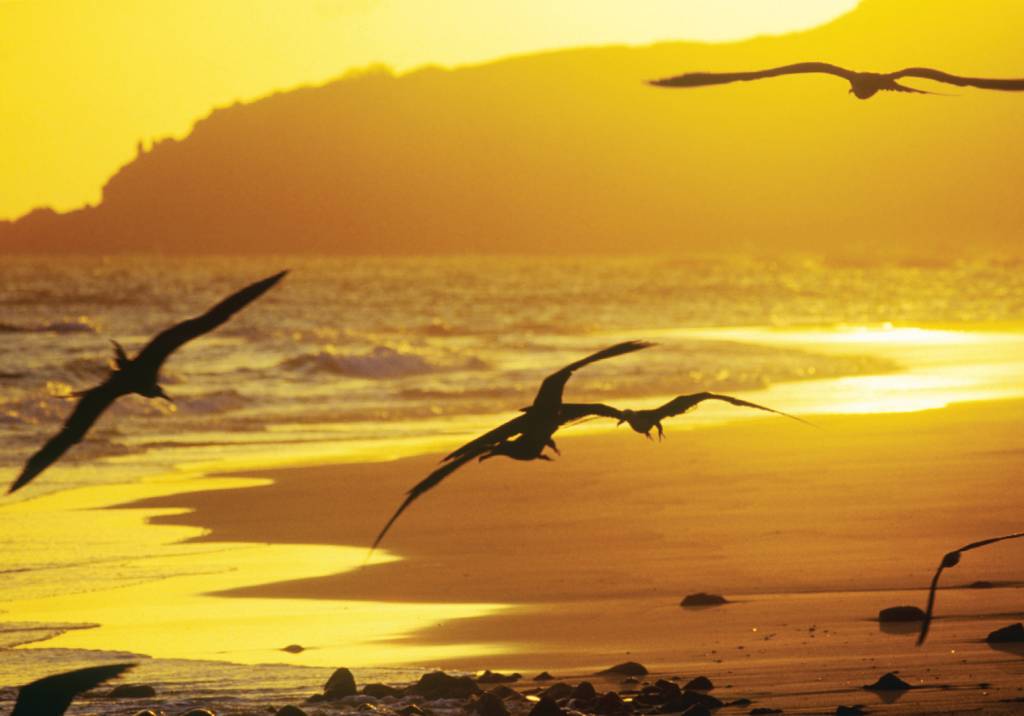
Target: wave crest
{"points": [[381, 362]]}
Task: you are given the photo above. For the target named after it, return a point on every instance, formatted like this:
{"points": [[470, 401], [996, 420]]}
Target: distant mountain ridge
{"points": [[571, 151]]}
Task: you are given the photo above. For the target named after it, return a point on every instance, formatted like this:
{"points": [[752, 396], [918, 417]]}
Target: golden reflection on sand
{"points": [[180, 616]]}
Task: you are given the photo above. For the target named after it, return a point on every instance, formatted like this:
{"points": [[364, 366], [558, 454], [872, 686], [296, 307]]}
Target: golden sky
{"points": [[84, 81]]}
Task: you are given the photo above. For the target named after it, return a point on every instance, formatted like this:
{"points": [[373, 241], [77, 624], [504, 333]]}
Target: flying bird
{"points": [[135, 375], [952, 559], [52, 695], [862, 84], [525, 436], [643, 421]]}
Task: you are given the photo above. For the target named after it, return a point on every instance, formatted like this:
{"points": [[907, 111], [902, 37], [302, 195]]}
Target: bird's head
{"points": [[157, 391], [625, 416]]}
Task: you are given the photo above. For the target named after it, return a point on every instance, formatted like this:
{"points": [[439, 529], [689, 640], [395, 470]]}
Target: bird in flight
{"points": [[862, 84], [52, 695], [643, 421], [135, 375], [952, 559], [525, 436]]}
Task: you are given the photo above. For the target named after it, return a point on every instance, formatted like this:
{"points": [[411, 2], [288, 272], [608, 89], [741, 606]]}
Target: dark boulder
{"points": [[627, 668], [611, 703], [493, 677], [701, 683], [981, 584], [290, 711], [543, 676], [439, 685], [547, 707], [584, 691], [1007, 635], [504, 692], [697, 710], [764, 711], [889, 682], [341, 684], [489, 705], [132, 691], [199, 712], [703, 599], [379, 691], [689, 700], [850, 710], [558, 691], [901, 614], [293, 648], [411, 710]]}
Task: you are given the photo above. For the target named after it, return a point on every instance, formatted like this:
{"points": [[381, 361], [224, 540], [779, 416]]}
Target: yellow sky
{"points": [[84, 81]]}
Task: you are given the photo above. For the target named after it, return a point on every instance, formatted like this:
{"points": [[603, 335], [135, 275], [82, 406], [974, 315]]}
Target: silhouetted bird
{"points": [[862, 84], [952, 559], [525, 436], [52, 695], [136, 375], [643, 421]]}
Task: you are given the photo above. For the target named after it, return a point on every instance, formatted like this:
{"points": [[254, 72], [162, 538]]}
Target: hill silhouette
{"points": [[571, 151]]}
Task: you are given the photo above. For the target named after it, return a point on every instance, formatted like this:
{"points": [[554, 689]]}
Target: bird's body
{"points": [[949, 560], [137, 375], [863, 85], [525, 436], [52, 695]]}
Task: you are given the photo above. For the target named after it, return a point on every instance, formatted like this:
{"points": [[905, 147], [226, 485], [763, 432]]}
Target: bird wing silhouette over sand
{"points": [[952, 559], [862, 84], [138, 375], [52, 695], [525, 436], [643, 421]]}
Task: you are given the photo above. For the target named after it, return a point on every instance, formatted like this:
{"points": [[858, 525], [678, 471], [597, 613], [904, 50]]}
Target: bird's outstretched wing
{"points": [[491, 438], [951, 559], [169, 340], [427, 483], [571, 412], [683, 403], [980, 82], [52, 695], [90, 406], [703, 79], [897, 87], [549, 396]]}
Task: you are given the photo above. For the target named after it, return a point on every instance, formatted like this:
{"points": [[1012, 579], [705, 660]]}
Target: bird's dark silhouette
{"points": [[643, 421], [862, 84], [135, 375], [52, 695], [525, 436], [952, 559]]}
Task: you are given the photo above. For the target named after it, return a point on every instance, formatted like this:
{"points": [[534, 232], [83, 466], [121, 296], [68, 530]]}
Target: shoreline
{"points": [[574, 615], [538, 542], [523, 566]]}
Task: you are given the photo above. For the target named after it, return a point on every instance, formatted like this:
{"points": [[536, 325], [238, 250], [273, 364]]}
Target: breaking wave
{"points": [[381, 362]]}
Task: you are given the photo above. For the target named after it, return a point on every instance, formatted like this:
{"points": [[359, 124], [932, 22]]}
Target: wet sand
{"points": [[811, 532]]}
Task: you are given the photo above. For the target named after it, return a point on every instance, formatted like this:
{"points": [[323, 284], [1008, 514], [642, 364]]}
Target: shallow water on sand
{"points": [[367, 359]]}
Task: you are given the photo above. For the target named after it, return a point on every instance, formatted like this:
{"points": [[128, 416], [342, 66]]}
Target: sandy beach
{"points": [[590, 561]]}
